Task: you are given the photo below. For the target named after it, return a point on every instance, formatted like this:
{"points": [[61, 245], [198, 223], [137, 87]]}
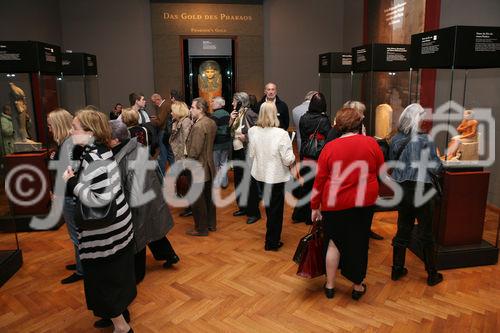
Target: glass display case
{"points": [[335, 79], [28, 76], [209, 69], [466, 62], [462, 93], [79, 82], [28, 92], [16, 94], [382, 80]]}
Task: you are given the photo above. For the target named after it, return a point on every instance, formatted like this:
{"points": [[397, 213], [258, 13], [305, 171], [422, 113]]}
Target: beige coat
{"points": [[180, 131], [200, 146]]}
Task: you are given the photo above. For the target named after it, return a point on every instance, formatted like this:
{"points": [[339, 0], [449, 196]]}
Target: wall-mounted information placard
{"points": [[29, 56], [381, 58], [457, 47], [335, 62], [79, 64]]}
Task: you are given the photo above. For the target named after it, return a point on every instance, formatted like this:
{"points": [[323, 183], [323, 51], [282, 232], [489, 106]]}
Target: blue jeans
{"points": [[220, 161], [69, 209], [166, 153]]}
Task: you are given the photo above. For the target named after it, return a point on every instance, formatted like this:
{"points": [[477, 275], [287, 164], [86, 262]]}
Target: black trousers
{"points": [[408, 212], [303, 213], [274, 201], [161, 250], [238, 155], [254, 197], [204, 209]]}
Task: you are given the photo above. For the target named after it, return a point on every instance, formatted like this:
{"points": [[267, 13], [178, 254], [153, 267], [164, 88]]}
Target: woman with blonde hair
{"points": [[180, 129], [59, 124], [105, 245], [181, 126], [270, 148]]}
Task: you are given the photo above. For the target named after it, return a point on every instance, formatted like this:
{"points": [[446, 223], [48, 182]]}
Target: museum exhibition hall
{"points": [[249, 166]]}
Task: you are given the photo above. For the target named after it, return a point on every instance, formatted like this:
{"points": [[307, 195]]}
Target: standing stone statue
{"points": [[20, 112], [20, 121]]}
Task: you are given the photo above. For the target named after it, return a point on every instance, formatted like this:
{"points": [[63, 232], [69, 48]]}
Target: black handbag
{"points": [[436, 183], [312, 148], [92, 218]]}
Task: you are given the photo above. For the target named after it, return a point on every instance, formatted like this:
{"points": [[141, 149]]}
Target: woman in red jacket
{"points": [[344, 192]]}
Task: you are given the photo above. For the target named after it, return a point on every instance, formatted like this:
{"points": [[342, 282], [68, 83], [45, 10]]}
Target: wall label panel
{"points": [[174, 22]]}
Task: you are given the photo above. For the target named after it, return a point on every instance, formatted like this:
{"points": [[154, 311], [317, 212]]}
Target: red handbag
{"points": [[312, 263]]}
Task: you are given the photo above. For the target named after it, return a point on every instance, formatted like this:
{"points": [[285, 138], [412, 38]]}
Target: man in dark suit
{"points": [[160, 122], [271, 95], [200, 146]]}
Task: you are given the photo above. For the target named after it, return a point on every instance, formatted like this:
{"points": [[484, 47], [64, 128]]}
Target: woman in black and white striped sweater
{"points": [[106, 252]]}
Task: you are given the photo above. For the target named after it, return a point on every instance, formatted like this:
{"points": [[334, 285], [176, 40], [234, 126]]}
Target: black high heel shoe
{"points": [[356, 295], [329, 292]]}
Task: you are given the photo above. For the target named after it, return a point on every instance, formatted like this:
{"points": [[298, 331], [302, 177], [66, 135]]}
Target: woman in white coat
{"points": [[270, 148]]}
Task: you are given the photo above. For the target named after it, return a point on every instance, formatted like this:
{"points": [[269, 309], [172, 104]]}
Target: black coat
{"points": [[283, 115], [308, 124]]}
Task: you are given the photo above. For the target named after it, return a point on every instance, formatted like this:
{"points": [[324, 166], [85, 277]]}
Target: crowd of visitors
{"points": [[111, 224]]}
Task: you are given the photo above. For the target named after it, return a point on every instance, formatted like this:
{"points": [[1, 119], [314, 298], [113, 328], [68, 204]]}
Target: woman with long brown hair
{"points": [[59, 124]]}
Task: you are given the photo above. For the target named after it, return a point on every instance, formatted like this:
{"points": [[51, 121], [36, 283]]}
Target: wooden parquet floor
{"points": [[227, 283]]}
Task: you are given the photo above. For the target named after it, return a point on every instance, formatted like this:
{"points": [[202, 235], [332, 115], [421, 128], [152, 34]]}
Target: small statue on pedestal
{"points": [[467, 137]]}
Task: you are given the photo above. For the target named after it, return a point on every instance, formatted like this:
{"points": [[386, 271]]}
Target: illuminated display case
{"points": [[28, 88], [382, 80], [335, 79], [33, 68], [464, 58], [209, 68], [79, 82], [466, 99]]}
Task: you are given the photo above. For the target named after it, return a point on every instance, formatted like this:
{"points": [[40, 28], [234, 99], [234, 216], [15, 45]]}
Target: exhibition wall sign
{"points": [[173, 23], [457, 47], [29, 56], [335, 62]]}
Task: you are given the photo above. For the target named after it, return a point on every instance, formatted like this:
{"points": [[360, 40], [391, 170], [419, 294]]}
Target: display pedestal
{"points": [[385, 192], [10, 262], [459, 220], [27, 146], [30, 181], [22, 223]]}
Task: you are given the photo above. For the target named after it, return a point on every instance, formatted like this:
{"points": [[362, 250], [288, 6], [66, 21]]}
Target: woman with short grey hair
{"points": [[409, 146], [242, 118], [152, 219], [119, 130], [222, 144]]}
